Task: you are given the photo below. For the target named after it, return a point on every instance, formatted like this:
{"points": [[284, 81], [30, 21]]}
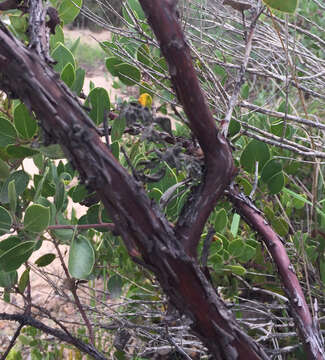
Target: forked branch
{"points": [[219, 166]]}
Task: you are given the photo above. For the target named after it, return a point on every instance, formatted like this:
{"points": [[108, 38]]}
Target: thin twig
{"points": [[29, 320], [240, 78], [255, 181], [129, 163], [12, 341], [177, 347]]}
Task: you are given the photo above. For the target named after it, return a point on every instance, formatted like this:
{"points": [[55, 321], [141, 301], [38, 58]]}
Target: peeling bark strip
{"points": [[219, 166], [309, 330], [24, 74]]}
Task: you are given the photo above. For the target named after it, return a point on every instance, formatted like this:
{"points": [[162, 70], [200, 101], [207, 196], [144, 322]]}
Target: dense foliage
{"points": [[262, 72]]}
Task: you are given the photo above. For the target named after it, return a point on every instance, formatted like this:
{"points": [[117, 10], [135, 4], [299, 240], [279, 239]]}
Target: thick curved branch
{"points": [[309, 333], [219, 167], [137, 220]]}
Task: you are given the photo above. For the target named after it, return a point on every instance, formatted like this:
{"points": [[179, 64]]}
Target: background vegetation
{"points": [[265, 77]]}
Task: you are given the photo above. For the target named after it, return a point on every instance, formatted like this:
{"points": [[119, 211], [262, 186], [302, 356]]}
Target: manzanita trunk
{"points": [[170, 252]]}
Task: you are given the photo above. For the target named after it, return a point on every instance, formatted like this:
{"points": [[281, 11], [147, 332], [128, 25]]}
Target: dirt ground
{"points": [[44, 286], [87, 36]]}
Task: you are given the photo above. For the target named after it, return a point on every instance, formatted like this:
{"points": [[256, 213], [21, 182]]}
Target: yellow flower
{"points": [[145, 100]]}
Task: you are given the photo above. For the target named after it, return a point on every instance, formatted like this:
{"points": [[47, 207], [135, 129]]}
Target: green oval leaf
{"points": [[278, 127], [19, 23], [25, 123], [5, 221], [8, 134], [244, 91], [280, 226], [9, 243], [12, 196], [99, 102], [136, 8], [45, 260], [109, 47], [248, 253], [166, 182], [111, 63], [52, 151], [276, 183], [236, 269], [143, 54], [271, 168], [245, 184], [68, 10], [43, 187], [299, 204], [4, 170], [128, 74], [288, 6], [63, 56], [95, 214], [81, 258], [8, 279], [297, 196], [216, 246], [160, 68], [236, 247], [79, 81], [74, 46], [21, 181], [234, 127], [64, 235], [23, 281], [221, 220], [39, 183], [59, 195], [13, 258], [37, 218], [269, 213], [219, 70], [118, 128], [78, 193], [20, 152], [68, 75], [115, 149], [235, 224], [56, 38], [254, 151]]}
